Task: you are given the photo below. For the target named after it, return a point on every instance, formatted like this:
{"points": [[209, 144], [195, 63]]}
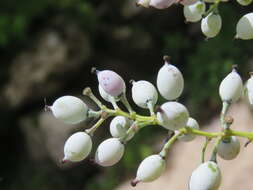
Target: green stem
{"points": [[124, 100], [204, 149], [95, 114], [225, 107], [215, 150], [88, 92], [213, 8], [151, 108], [91, 130], [114, 103], [167, 146]]}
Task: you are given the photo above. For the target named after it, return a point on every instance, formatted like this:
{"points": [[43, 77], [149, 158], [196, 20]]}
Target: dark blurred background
{"points": [[47, 49]]}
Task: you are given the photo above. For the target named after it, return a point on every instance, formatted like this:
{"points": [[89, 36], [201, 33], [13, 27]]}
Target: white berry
{"points": [[144, 92], [77, 147], [191, 123], [170, 82], [109, 152], [206, 177], [69, 109], [248, 91], [194, 12], [231, 87], [244, 27], [244, 2], [229, 148], [211, 25], [161, 4], [173, 115], [150, 168], [119, 126]]}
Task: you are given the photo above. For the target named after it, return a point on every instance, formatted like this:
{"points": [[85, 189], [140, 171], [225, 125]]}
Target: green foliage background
{"points": [[153, 33]]}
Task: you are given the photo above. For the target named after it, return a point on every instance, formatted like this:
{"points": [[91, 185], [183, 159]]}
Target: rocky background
{"points": [[47, 49]]}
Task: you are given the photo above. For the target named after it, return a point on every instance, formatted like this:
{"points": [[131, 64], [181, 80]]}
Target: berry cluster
{"points": [[171, 115], [211, 22]]}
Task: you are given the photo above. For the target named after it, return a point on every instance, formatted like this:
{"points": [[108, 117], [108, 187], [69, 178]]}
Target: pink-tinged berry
{"points": [[111, 82], [161, 4]]}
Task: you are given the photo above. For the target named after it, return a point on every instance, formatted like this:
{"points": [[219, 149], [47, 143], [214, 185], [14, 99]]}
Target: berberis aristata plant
{"points": [[171, 115], [206, 11]]}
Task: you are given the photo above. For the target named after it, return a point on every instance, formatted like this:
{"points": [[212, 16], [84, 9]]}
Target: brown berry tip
{"points": [[166, 58], [134, 182], [234, 67], [132, 81], [64, 161], [159, 109], [46, 107], [229, 120]]}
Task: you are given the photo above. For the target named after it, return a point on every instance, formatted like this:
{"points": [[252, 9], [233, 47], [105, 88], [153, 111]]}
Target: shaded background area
{"points": [[47, 48]]}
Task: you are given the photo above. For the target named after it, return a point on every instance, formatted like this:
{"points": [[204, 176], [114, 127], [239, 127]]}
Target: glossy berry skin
{"points": [[244, 2], [105, 95], [244, 27], [161, 4], [206, 177], [119, 126], [194, 12], [170, 82], [111, 82], [77, 147], [248, 91], [69, 109], [143, 92], [151, 168], [191, 123], [173, 115], [211, 25], [231, 87], [109, 152], [229, 148]]}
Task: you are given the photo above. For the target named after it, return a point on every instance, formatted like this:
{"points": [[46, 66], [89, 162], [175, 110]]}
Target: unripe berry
{"points": [[244, 2], [161, 4], [111, 82], [229, 148], [170, 81], [191, 123], [194, 12], [105, 95], [248, 92], [144, 92], [211, 25], [150, 169], [206, 177], [77, 147], [231, 87], [143, 3], [69, 109], [244, 27], [173, 115], [188, 2], [109, 152], [119, 126]]}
